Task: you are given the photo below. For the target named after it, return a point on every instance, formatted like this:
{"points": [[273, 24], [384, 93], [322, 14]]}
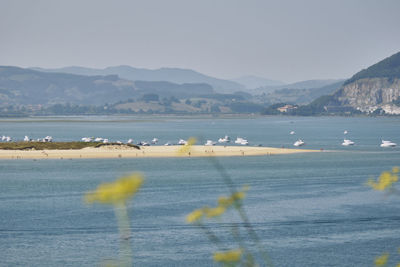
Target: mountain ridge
{"points": [[174, 75]]}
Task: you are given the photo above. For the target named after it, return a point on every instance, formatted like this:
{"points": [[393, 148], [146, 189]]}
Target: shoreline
{"points": [[149, 152]]}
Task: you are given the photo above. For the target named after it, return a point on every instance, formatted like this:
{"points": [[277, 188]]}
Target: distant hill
{"points": [[373, 89], [300, 96], [253, 82], [308, 84], [20, 86], [174, 75]]}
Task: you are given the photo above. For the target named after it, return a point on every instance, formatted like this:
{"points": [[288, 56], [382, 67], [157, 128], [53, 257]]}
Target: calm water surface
{"points": [[309, 209]]}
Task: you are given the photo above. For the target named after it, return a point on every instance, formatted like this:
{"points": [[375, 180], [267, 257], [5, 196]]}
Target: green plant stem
{"points": [[211, 236], [253, 235], [121, 213]]}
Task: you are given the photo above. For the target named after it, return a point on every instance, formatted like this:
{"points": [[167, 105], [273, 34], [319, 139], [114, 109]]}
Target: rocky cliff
{"points": [[369, 94]]}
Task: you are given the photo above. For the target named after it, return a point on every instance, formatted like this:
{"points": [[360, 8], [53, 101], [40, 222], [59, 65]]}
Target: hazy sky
{"points": [[282, 40]]}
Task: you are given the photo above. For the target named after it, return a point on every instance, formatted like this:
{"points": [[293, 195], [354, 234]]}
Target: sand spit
{"points": [[147, 152]]}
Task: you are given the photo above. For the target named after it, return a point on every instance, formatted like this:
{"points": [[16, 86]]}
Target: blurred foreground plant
{"points": [[117, 193], [242, 255], [385, 183]]}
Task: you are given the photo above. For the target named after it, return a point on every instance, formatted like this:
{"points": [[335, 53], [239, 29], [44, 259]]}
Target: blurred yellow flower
{"points": [[395, 169], [116, 192], [195, 216], [230, 256], [382, 260], [385, 181], [214, 212], [225, 201], [186, 148]]}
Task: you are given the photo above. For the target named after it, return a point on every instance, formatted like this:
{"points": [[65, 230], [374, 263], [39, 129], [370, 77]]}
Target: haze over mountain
{"points": [[300, 96], [174, 75], [307, 84], [20, 86], [253, 82]]}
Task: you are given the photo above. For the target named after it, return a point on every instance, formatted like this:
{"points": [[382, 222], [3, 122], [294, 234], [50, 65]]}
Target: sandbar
{"points": [[148, 152]]}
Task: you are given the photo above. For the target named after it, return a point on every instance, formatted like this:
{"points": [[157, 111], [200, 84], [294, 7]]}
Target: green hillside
{"points": [[389, 67]]}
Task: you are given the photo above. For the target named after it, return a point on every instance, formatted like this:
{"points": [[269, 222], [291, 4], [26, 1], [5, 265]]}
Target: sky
{"points": [[280, 40]]}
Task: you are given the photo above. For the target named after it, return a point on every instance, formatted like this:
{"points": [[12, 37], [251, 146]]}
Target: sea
{"points": [[311, 209]]}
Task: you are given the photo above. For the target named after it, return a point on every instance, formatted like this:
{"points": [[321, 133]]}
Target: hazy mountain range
{"points": [[174, 75], [375, 88], [20, 86], [253, 82]]}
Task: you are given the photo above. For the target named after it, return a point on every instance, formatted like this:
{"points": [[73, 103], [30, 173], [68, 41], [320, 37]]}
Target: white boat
{"points": [[182, 142], [292, 132], [154, 141], [98, 139], [105, 141], [87, 139], [167, 144], [26, 139], [226, 139], [345, 132], [241, 141], [209, 143], [388, 144], [347, 142], [130, 140], [143, 143], [48, 139], [299, 143]]}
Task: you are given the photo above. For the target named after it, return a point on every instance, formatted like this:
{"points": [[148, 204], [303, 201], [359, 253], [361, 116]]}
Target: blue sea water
{"points": [[308, 209]]}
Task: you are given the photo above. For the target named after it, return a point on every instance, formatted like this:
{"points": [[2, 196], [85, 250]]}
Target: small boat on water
{"points": [[142, 143], [226, 139], [167, 144], [345, 132], [241, 141], [292, 132], [347, 142], [182, 142], [386, 143], [154, 141], [210, 143], [299, 143]]}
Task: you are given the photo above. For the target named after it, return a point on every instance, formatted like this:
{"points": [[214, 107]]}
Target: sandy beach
{"points": [[148, 152]]}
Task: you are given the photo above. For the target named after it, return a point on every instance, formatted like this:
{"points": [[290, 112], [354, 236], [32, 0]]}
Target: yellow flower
{"points": [[214, 212], [228, 256], [395, 169], [385, 180], [186, 148], [225, 201], [381, 260], [116, 192], [195, 216]]}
